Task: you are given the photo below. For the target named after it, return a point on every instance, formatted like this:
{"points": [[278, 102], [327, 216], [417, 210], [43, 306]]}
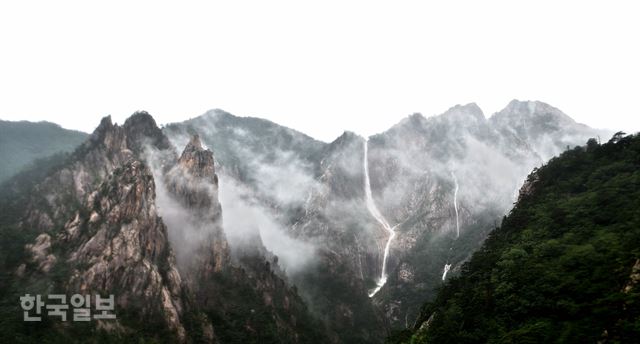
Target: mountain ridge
{"points": [[23, 142], [93, 224], [298, 237]]}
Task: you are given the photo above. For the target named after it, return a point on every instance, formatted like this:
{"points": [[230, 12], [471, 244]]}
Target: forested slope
{"points": [[563, 267], [23, 142]]}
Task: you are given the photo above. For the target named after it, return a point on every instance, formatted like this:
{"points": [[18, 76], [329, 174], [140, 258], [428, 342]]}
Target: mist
{"points": [[307, 203], [187, 230], [276, 180], [244, 216]]}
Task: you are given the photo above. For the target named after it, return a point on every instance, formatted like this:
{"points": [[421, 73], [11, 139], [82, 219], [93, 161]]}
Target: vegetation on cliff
{"points": [[563, 266]]}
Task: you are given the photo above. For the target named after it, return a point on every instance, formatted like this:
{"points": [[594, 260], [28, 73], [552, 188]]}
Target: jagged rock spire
{"points": [[197, 161], [194, 183]]}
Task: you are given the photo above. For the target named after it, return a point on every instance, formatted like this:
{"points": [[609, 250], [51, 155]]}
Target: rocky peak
{"points": [[141, 129], [454, 123], [526, 107], [105, 125], [195, 222], [109, 135], [344, 141], [465, 114], [519, 112], [193, 180], [198, 161], [546, 129]]}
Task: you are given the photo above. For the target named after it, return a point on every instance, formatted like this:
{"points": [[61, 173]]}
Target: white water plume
{"points": [[455, 204], [371, 206], [446, 269]]}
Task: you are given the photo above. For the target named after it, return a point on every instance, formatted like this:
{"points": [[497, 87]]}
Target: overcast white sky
{"points": [[319, 67]]}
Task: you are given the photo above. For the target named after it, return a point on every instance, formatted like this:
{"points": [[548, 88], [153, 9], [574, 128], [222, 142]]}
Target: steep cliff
{"points": [[92, 227], [194, 184], [125, 216], [336, 219]]}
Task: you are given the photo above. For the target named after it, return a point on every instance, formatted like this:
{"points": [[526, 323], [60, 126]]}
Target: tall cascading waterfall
{"points": [[455, 204], [447, 266], [371, 206]]}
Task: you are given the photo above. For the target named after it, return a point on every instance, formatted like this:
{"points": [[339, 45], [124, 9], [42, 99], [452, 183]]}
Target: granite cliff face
{"points": [[99, 223], [97, 229], [194, 184], [350, 244]]}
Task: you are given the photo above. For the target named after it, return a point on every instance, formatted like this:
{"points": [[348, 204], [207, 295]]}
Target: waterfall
{"points": [[371, 206], [447, 266], [446, 269], [455, 204]]}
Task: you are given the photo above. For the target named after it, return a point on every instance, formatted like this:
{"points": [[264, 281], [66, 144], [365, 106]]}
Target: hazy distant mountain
{"points": [[546, 129], [23, 142]]}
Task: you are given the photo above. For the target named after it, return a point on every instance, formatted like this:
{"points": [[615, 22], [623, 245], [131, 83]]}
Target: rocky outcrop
{"points": [[142, 131], [528, 188], [194, 184], [220, 286], [194, 181], [41, 253], [98, 231], [123, 248]]}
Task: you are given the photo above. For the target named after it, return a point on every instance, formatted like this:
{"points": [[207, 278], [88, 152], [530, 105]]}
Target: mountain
{"points": [[335, 218], [236, 229], [125, 215], [278, 171], [238, 141], [563, 266], [23, 142], [441, 182], [548, 130]]}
